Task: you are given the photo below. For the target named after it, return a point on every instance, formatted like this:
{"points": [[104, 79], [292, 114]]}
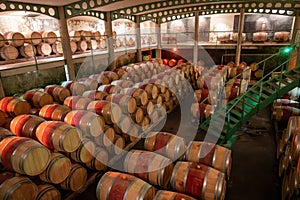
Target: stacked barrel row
{"points": [[16, 45], [288, 146], [84, 40], [168, 169]]}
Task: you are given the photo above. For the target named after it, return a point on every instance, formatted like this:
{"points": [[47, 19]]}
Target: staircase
{"points": [[222, 125]]}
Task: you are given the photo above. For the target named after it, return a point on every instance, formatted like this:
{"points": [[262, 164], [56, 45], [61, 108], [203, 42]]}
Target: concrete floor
{"points": [[254, 174]]}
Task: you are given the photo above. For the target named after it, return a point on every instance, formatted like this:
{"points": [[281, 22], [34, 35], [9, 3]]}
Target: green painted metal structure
{"points": [[224, 123]]}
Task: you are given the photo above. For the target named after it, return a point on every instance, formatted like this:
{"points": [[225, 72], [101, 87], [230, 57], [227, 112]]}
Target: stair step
{"points": [[269, 90], [265, 96], [250, 103], [231, 118], [274, 85], [252, 97], [282, 81], [291, 77], [236, 113]]}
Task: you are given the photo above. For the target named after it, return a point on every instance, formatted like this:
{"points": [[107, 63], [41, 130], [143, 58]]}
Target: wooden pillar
{"points": [[2, 93], [65, 40], [240, 37], [158, 33], [110, 41], [296, 28], [196, 39], [138, 39]]}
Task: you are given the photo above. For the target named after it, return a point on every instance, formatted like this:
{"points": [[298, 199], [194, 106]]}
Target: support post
{"points": [[158, 33], [240, 37], [110, 42], [65, 40], [196, 39], [296, 28], [138, 39]]}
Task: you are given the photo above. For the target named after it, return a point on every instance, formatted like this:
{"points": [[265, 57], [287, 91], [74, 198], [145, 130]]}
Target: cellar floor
{"points": [[254, 169]]}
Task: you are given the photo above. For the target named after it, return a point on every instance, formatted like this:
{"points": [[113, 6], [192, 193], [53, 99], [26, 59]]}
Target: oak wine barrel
{"points": [[76, 88], [149, 166], [92, 45], [201, 111], [73, 46], [5, 133], [75, 36], [18, 187], [101, 78], [2, 118], [126, 102], [44, 49], [82, 46], [95, 95], [57, 48], [107, 138], [109, 111], [86, 35], [58, 169], [210, 154], [27, 51], [110, 89], [2, 40], [260, 36], [285, 188], [24, 155], [76, 179], [15, 39], [165, 195], [140, 95], [123, 126], [89, 83], [9, 52], [48, 192], [283, 113], [286, 102], [59, 136], [14, 106], [77, 102], [115, 185], [198, 180], [38, 98], [85, 152], [281, 36], [138, 115], [55, 112], [99, 161], [49, 37], [165, 144], [33, 37], [118, 145], [97, 35], [25, 125], [59, 93], [103, 44]]}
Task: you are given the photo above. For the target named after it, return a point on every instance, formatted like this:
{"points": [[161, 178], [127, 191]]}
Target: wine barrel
{"points": [[103, 44], [295, 93], [123, 126], [90, 123], [145, 123], [58, 169], [283, 113], [33, 37], [27, 51], [24, 155], [118, 145], [122, 83], [5, 133], [76, 179], [49, 37], [89, 83], [102, 79], [293, 181], [19, 187], [58, 135], [110, 89], [188, 177], [201, 111], [140, 95], [73, 46], [2, 40], [77, 102], [149, 166], [165, 144], [58, 92], [95, 95], [223, 37], [116, 185], [285, 188], [97, 35], [281, 36], [82, 46], [109, 111], [25, 125], [75, 88], [54, 112], [172, 63], [235, 37], [75, 36], [126, 102], [85, 152], [107, 138], [86, 35], [286, 102], [259, 73], [201, 95], [14, 106], [165, 195], [47, 192], [138, 115], [44, 49], [210, 154], [92, 45], [292, 127], [260, 36], [2, 118], [15, 39], [9, 52], [152, 90], [38, 98], [99, 161], [57, 48]]}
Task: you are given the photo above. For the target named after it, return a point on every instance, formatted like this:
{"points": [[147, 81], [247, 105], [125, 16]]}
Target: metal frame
{"points": [[51, 11]]}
